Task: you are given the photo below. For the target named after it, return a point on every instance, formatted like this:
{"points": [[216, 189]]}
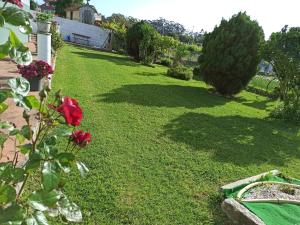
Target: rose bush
{"points": [[47, 122], [15, 2]]}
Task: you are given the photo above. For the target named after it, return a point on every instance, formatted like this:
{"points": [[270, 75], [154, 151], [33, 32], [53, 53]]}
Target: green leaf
{"points": [[4, 49], [2, 21], [14, 40], [3, 95], [65, 161], [61, 132], [32, 102], [25, 131], [82, 169], [19, 86], [16, 16], [18, 175], [9, 174], [3, 107], [6, 126], [21, 139], [37, 219], [3, 139], [70, 211], [50, 176], [42, 200], [12, 215], [25, 149], [7, 194], [33, 162]]}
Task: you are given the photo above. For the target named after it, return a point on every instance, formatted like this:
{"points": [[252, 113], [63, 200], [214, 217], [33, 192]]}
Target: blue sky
{"points": [[272, 15]]}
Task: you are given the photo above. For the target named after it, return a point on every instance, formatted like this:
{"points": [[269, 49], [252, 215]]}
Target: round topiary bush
{"points": [[180, 72], [142, 41], [231, 54]]}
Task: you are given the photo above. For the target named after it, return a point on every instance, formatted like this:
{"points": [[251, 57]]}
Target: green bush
{"points": [[286, 112], [142, 41], [230, 54], [166, 62], [180, 72], [197, 71], [56, 40]]}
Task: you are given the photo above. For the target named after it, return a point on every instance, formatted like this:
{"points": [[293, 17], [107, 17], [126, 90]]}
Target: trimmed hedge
{"points": [[180, 72]]}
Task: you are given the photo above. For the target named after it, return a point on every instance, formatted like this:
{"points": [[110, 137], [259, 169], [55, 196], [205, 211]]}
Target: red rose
{"points": [[70, 111], [16, 2], [81, 138]]}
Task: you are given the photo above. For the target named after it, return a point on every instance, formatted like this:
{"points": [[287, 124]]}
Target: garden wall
{"points": [[99, 37]]}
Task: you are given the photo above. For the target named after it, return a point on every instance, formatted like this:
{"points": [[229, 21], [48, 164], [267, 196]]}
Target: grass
{"points": [[262, 83], [162, 147]]}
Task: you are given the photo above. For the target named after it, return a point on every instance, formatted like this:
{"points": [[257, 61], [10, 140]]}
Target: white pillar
{"points": [[44, 52], [44, 47]]}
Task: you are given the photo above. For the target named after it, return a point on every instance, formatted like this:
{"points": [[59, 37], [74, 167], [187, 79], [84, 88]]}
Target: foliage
{"points": [[119, 35], [44, 17], [180, 72], [121, 20], [142, 40], [56, 40], [166, 62], [45, 161], [185, 50], [231, 54], [197, 71], [286, 112], [61, 5], [282, 50], [39, 69], [14, 47], [177, 31], [33, 5]]}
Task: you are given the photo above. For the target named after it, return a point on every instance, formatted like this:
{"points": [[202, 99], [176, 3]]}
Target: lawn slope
{"points": [[162, 147]]}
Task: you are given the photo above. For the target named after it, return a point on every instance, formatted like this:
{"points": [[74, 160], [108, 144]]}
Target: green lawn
{"points": [[163, 147], [262, 83]]}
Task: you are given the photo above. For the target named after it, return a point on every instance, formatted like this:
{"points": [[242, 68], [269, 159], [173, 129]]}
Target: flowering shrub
{"points": [[47, 163], [45, 124], [38, 69]]}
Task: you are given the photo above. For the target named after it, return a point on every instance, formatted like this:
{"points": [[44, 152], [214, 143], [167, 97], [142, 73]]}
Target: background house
{"points": [[4, 32], [47, 7], [85, 14]]}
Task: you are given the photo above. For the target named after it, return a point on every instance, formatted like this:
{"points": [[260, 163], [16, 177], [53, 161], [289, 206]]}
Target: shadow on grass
{"points": [[235, 139], [257, 103], [163, 96], [118, 60]]}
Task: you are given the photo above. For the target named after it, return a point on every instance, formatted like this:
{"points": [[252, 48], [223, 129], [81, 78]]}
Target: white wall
{"points": [[98, 35]]}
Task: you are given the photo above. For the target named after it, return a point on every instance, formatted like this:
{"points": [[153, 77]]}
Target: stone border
{"points": [[238, 213]]}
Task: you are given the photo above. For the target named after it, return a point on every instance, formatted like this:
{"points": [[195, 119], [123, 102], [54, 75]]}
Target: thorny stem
{"points": [[4, 4]]}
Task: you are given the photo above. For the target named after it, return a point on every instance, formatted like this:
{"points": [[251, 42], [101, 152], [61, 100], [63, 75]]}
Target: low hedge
{"points": [[180, 72]]}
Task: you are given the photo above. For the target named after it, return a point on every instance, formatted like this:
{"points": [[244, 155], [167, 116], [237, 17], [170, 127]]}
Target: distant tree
{"points": [[231, 54], [142, 42], [33, 5], [61, 5], [177, 31], [121, 20]]}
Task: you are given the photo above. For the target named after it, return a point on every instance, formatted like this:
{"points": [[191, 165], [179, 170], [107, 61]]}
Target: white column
{"points": [[44, 52], [44, 47]]}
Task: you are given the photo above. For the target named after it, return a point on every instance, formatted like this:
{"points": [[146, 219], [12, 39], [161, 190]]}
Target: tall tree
{"points": [[231, 54]]}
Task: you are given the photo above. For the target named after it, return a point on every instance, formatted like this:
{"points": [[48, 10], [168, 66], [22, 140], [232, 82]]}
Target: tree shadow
{"points": [[116, 59], [257, 103], [236, 139], [163, 96]]}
